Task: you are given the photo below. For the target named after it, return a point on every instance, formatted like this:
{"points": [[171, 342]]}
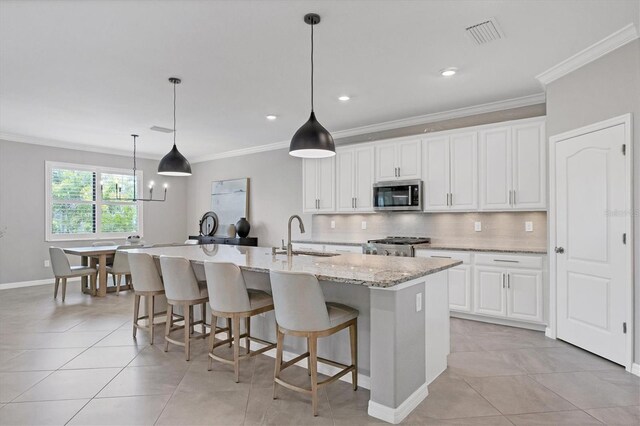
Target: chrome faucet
{"points": [[289, 246]]}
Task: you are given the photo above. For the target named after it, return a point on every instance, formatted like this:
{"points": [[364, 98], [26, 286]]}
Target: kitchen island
{"points": [[403, 326]]}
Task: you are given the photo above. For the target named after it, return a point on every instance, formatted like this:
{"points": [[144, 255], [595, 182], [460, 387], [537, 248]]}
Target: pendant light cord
{"points": [[312, 25], [135, 193], [174, 113]]}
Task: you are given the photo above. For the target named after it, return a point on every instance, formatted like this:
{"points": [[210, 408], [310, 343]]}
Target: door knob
{"points": [[559, 249]]}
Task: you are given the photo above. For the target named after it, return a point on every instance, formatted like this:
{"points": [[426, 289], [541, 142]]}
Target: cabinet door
{"points": [[363, 179], [309, 185], [326, 184], [524, 294], [489, 295], [386, 162], [529, 166], [408, 159], [345, 180], [460, 288], [463, 160], [495, 169], [436, 174]]}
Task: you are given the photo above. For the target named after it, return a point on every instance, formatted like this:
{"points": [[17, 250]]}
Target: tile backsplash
{"points": [[506, 228]]}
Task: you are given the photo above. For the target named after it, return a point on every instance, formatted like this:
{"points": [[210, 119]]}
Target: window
{"points": [[82, 202]]}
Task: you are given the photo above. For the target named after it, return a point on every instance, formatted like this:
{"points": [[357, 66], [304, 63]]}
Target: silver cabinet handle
{"points": [[514, 197], [505, 260], [451, 198], [508, 280], [398, 171], [509, 197], [441, 257], [355, 202], [503, 283]]}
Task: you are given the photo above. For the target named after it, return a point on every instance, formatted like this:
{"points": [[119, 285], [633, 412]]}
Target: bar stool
{"points": [[229, 298], [301, 311], [146, 282], [62, 270], [120, 267], [182, 289]]}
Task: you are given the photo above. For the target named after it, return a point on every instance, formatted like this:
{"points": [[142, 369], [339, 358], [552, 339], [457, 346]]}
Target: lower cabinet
{"points": [[489, 297], [460, 288]]}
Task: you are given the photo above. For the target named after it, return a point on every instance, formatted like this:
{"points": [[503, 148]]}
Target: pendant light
{"points": [[174, 163], [312, 140]]}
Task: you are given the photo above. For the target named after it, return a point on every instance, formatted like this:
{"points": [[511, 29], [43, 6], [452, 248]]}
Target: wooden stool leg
{"points": [[236, 347], [187, 331], [229, 330], [313, 355], [279, 346], [308, 359], [55, 289], [152, 308], [353, 336], [168, 325], [212, 340], [204, 317], [247, 326], [64, 288], [136, 313], [117, 280], [191, 331]]}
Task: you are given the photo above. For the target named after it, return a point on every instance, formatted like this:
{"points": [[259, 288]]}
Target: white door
{"points": [[344, 180], [386, 162], [363, 179], [309, 182], [529, 167], [326, 184], [463, 160], [436, 174], [408, 159], [495, 169], [490, 286], [460, 288], [524, 294], [592, 273]]}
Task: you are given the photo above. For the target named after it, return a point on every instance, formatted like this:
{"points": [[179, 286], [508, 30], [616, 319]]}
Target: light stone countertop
{"points": [[338, 243], [368, 270]]}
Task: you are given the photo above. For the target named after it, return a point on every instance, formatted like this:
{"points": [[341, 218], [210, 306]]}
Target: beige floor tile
{"points": [[52, 340], [103, 357], [575, 417], [463, 343], [349, 407], [293, 408], [156, 356], [124, 337], [130, 410], [468, 421], [263, 372], [587, 390], [8, 354], [558, 360], [12, 384], [102, 323], [518, 395], [70, 384], [41, 359], [40, 413], [137, 381], [220, 378], [211, 408], [617, 415], [482, 364]]}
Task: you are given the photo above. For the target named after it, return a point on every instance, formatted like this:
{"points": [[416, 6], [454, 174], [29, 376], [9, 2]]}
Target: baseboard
{"points": [[500, 321], [20, 284], [635, 369], [549, 333], [396, 415]]}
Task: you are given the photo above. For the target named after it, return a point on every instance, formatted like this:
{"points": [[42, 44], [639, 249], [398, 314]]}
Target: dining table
{"points": [[94, 257]]}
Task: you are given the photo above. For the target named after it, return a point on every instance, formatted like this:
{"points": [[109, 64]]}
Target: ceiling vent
{"points": [[161, 129], [485, 32]]}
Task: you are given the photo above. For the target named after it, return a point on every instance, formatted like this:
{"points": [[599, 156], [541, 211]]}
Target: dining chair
{"points": [[62, 270], [230, 298], [146, 283], [302, 311], [120, 267]]}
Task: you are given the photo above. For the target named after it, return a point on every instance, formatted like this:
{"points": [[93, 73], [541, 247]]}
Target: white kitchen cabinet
{"points": [[459, 278], [318, 175], [490, 288], [450, 172], [513, 167], [354, 179], [398, 160], [524, 295]]}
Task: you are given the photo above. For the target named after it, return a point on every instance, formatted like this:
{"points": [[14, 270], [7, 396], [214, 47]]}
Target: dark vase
{"points": [[243, 227]]}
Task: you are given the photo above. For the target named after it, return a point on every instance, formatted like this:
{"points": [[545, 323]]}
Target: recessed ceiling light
{"points": [[448, 72], [271, 117], [344, 98]]}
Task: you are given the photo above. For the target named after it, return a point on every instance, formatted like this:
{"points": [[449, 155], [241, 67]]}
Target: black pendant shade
{"points": [[174, 164], [312, 140]]}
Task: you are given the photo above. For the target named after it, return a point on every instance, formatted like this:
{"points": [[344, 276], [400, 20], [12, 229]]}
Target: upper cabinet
{"points": [[398, 160], [450, 172], [354, 177], [318, 189], [513, 167]]}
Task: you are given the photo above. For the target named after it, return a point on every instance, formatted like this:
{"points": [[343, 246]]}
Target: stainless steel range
{"points": [[394, 246]]}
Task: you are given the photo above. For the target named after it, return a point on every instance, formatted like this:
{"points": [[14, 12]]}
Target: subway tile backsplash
{"points": [[506, 228]]}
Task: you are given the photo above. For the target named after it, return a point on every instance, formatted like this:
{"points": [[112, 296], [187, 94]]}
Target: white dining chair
{"points": [[62, 270]]}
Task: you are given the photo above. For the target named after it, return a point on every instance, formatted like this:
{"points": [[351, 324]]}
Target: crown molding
{"points": [[13, 137], [390, 125], [608, 44]]}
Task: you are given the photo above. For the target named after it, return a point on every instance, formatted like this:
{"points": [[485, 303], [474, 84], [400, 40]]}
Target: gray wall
{"points": [[605, 88], [23, 248]]}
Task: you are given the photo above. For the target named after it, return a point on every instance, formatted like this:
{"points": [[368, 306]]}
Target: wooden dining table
{"points": [[92, 256]]}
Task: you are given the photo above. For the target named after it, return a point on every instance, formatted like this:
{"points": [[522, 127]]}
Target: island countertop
{"points": [[368, 270]]}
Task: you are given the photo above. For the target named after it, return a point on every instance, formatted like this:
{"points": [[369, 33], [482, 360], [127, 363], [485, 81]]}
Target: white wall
{"points": [[23, 248], [605, 88]]}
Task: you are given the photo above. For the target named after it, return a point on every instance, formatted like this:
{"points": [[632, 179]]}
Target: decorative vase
{"points": [[243, 227], [231, 231]]}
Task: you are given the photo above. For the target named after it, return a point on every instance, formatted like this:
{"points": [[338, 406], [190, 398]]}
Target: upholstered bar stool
{"points": [[229, 298], [182, 289], [120, 267], [301, 311], [62, 270], [146, 282]]}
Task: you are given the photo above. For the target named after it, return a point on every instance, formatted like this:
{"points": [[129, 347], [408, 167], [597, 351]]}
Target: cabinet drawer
{"points": [[334, 248], [509, 260], [455, 255]]}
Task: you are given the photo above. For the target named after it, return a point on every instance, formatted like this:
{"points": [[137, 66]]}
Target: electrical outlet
{"points": [[47, 263], [333, 224], [364, 224], [477, 226], [418, 302], [528, 226]]}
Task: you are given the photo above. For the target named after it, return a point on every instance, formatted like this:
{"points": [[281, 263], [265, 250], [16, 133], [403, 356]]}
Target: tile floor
{"points": [[76, 363]]}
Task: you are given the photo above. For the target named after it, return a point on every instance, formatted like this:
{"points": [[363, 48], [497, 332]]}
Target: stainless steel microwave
{"points": [[401, 195]]}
